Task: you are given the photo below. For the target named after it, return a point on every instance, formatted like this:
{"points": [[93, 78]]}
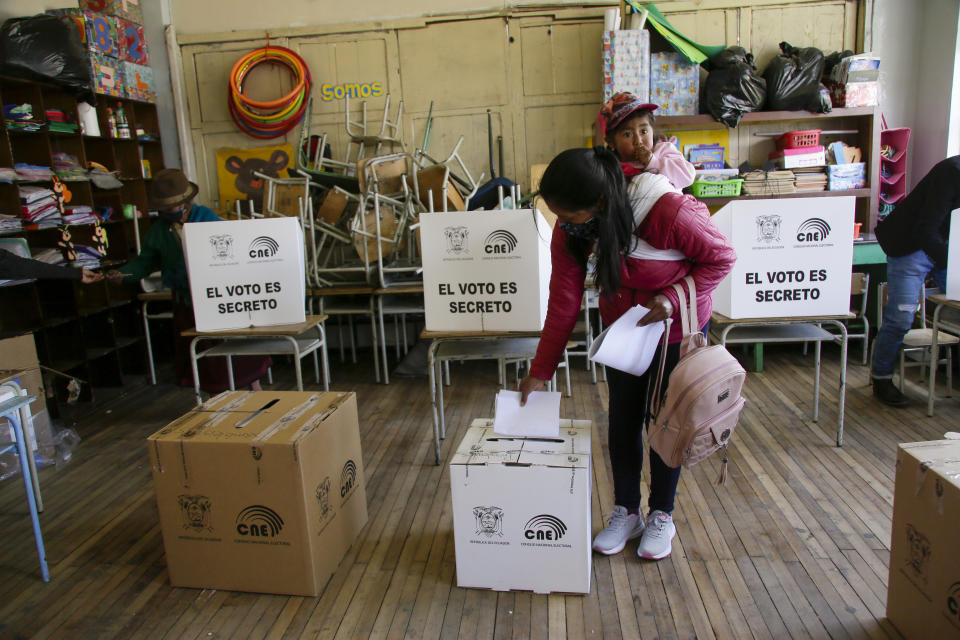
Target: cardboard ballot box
{"points": [[521, 510], [923, 597], [260, 491], [485, 270], [245, 273], [794, 257]]}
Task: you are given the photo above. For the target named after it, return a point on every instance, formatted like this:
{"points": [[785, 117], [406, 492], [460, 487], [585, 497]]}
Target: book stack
{"points": [[10, 223], [768, 183], [19, 117], [38, 204], [810, 179], [8, 174], [87, 257], [80, 214], [67, 167]]}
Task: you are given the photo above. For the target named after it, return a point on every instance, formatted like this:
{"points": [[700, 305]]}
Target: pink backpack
{"points": [[702, 403]]}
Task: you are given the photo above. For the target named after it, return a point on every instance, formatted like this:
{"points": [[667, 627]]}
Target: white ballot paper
{"points": [[540, 417], [625, 346]]}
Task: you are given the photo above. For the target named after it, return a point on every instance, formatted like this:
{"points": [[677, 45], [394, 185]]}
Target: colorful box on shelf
{"points": [[626, 63], [800, 157], [705, 156], [127, 9], [674, 84], [865, 66], [854, 94], [101, 34], [75, 16], [138, 82], [852, 175], [106, 73], [131, 10], [131, 42]]}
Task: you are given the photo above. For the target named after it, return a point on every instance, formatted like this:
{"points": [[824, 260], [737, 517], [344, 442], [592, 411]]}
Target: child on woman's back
{"points": [[627, 126]]}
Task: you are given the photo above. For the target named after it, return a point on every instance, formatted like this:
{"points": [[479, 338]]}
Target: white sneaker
{"points": [[622, 526], [657, 536]]}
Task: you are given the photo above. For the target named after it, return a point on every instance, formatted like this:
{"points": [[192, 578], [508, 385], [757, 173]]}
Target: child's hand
{"points": [[643, 157]]}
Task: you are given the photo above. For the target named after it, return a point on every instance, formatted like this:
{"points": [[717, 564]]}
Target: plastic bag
{"points": [[733, 87], [46, 48], [793, 79]]}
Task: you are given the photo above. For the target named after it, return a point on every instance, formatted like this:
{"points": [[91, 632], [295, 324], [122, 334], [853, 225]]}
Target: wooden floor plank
{"points": [[795, 544]]}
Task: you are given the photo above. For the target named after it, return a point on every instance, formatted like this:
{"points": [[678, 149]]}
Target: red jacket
{"points": [[676, 221]]}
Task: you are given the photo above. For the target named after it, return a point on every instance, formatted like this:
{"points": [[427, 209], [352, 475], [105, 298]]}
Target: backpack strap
{"points": [[655, 402], [692, 337]]}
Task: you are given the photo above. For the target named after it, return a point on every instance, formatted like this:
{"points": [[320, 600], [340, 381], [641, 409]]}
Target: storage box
{"points": [[260, 491], [923, 597], [953, 257], [138, 82], [799, 157], [521, 510], [101, 34], [485, 270], [130, 10], [852, 175], [793, 257], [674, 84], [854, 94], [106, 73], [131, 43], [245, 273], [626, 63]]}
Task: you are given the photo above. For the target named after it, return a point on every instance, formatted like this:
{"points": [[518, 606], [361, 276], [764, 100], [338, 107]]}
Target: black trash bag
{"points": [[793, 79], [733, 87], [833, 60], [49, 49]]}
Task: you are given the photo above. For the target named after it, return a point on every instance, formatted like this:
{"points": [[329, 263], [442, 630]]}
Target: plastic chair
{"points": [[920, 339]]}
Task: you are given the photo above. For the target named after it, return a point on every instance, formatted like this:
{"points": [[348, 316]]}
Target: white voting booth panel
{"points": [[794, 257], [953, 257], [245, 273], [521, 510], [485, 270]]}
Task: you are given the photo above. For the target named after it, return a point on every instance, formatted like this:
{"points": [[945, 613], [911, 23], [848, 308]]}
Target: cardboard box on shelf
{"points": [[794, 257], [138, 82], [537, 539], [260, 491], [923, 596], [101, 34], [674, 84], [245, 273], [485, 270], [106, 73]]}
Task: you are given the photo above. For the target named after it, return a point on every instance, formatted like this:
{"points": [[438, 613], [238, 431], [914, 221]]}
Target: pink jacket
{"points": [[676, 221], [670, 163]]}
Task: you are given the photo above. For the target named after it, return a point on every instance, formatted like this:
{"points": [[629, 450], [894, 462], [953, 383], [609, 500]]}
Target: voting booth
{"points": [[953, 257], [794, 257], [521, 509], [245, 273], [485, 270]]}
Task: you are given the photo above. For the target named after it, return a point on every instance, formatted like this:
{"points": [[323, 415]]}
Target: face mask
{"points": [[171, 216], [588, 230]]}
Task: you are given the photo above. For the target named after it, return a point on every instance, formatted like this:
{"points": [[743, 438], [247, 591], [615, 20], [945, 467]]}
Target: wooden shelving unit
{"points": [[92, 332]]}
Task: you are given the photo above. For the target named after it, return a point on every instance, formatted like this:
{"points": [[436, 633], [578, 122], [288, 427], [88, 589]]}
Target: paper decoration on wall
{"points": [[132, 46], [236, 167], [61, 193], [107, 75], [100, 241], [65, 244], [101, 33]]}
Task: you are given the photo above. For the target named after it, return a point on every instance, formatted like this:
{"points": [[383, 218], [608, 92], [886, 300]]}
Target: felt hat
{"points": [[169, 189], [617, 109]]}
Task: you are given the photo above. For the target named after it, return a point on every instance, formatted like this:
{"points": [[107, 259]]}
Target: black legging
{"points": [[629, 398]]}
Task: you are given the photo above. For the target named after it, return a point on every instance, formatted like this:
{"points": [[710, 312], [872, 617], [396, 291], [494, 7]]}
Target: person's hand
{"points": [[91, 276], [643, 156], [527, 386], [660, 309], [113, 274]]}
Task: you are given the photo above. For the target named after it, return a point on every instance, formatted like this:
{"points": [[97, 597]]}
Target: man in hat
{"points": [[171, 195]]}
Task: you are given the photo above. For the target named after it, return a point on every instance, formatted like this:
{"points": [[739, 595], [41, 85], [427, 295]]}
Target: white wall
{"points": [[918, 43]]}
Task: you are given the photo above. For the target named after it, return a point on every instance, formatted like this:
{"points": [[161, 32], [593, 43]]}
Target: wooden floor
{"points": [[796, 545]]}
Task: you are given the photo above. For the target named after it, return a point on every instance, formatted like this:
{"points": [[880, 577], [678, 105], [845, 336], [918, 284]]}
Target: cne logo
{"points": [[813, 230], [348, 478], [258, 521], [544, 527], [500, 241], [263, 247], [953, 604]]}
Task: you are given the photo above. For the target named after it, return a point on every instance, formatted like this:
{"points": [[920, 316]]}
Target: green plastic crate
{"points": [[727, 188]]}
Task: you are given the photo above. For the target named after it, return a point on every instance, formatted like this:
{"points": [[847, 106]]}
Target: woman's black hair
{"points": [[592, 179]]}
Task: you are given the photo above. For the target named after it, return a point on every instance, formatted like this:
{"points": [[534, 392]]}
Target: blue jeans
{"points": [[905, 278]]}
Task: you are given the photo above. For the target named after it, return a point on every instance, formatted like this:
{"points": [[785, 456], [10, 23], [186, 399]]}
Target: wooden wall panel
{"points": [[455, 64], [358, 58], [549, 130], [820, 25], [561, 58], [447, 129]]}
